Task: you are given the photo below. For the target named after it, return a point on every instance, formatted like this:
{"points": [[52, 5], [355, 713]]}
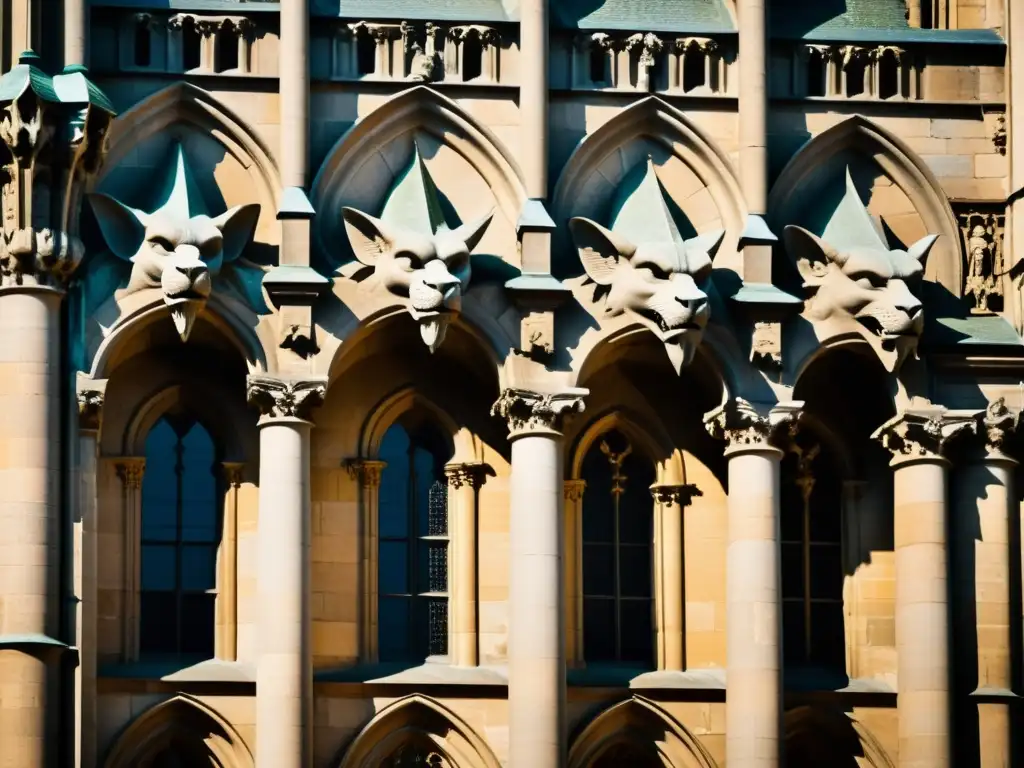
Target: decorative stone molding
{"points": [[213, 31], [366, 472], [424, 62], [999, 135], [984, 259], [573, 490], [851, 274], [280, 398], [855, 71], [997, 425], [646, 269], [470, 474], [922, 433], [646, 47], [530, 412], [749, 426], [457, 53], [412, 221], [130, 470], [695, 65], [53, 133], [675, 495], [179, 249]]}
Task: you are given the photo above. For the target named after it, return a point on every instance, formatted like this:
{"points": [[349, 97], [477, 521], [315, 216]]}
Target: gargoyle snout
{"points": [[192, 271], [437, 276], [694, 305]]}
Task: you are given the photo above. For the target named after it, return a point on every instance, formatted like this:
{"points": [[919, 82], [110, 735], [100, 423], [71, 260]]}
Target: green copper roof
{"points": [[26, 75], [642, 15], [413, 201], [429, 10], [822, 15], [73, 86], [978, 330]]}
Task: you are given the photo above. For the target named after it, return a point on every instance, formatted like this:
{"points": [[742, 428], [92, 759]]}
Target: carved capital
{"points": [[233, 473], [922, 433], [90, 409], [998, 424], [279, 398], [670, 495], [573, 489], [366, 472], [131, 470], [749, 426], [473, 474], [38, 257], [529, 412]]}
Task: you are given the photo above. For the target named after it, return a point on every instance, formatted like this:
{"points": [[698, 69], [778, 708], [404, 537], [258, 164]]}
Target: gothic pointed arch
{"points": [[697, 174], [637, 732], [817, 735], [651, 438], [182, 727], [359, 168], [909, 198], [418, 726]]}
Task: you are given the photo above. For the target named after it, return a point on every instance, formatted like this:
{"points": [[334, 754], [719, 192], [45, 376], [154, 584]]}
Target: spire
{"points": [[413, 201], [640, 213], [851, 225], [179, 192]]}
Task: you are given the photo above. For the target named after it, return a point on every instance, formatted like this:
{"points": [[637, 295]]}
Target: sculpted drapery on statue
{"points": [[850, 272], [179, 248], [413, 251], [645, 267]]}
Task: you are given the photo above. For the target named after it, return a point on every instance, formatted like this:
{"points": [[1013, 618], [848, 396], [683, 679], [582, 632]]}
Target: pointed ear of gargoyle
{"points": [[812, 254], [370, 237], [237, 226], [922, 248], [122, 227], [701, 250], [472, 232], [600, 249]]}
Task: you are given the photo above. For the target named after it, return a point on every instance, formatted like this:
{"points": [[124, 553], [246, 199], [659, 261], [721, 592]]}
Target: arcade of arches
{"points": [[576, 384]]}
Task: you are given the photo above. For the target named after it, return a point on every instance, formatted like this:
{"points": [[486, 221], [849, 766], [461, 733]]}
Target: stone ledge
{"points": [[429, 673], [208, 671]]}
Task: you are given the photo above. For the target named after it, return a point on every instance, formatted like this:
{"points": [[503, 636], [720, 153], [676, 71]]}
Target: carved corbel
{"points": [[529, 412], [923, 433], [675, 495], [89, 395], [285, 398], [753, 426]]}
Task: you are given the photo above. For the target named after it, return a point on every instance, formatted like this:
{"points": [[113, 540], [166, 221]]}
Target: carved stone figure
{"points": [[982, 235], [646, 267], [177, 247], [850, 272], [413, 251]]}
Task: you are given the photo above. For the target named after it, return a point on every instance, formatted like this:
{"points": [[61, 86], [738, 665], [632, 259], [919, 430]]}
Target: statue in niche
{"points": [[851, 272], [982, 237], [178, 248], [414, 253], [645, 267]]}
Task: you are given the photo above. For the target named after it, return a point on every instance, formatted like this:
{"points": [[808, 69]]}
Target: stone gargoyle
{"points": [[646, 267], [177, 247], [850, 273], [413, 252]]}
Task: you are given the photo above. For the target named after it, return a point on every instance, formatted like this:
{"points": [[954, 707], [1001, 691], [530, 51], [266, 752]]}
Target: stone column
{"points": [[753, 700], [226, 638], [75, 38], [670, 501], [572, 551], [753, 104], [1014, 33], [985, 503], [294, 78], [90, 407], [464, 482], [536, 635], [284, 673], [367, 474], [533, 95], [916, 439]]}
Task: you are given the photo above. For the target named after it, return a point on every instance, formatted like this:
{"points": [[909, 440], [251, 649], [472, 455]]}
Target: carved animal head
{"points": [[647, 269], [851, 272], [414, 254], [174, 248]]}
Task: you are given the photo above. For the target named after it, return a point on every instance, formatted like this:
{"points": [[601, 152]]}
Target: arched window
{"points": [[618, 515], [412, 527], [180, 535], [812, 559]]}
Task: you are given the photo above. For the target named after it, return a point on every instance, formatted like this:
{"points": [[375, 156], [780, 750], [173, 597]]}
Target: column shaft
{"points": [[753, 104], [533, 95], [75, 41], [922, 613], [536, 647], [284, 678], [464, 576], [670, 547], [30, 521], [294, 68], [753, 703], [85, 607]]}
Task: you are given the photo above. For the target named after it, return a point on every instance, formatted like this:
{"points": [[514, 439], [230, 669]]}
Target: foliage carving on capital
{"points": [[527, 411], [850, 273], [413, 252], [998, 425], [179, 249], [281, 398], [131, 470], [573, 490], [473, 474], [90, 409], [743, 424], [644, 268], [922, 433], [681, 495], [366, 472]]}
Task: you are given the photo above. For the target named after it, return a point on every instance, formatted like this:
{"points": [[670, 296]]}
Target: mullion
{"points": [[617, 584], [179, 472], [411, 543]]}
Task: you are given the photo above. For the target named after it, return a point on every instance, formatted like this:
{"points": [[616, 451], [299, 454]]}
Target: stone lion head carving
{"points": [[646, 268], [177, 247], [414, 253], [850, 272]]}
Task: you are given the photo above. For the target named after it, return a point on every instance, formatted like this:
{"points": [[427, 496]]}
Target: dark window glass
{"points": [[366, 53], [618, 514], [694, 69], [812, 560], [143, 45], [856, 71], [191, 44], [472, 57], [598, 65], [413, 548], [225, 48], [888, 76], [816, 70], [180, 535]]}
